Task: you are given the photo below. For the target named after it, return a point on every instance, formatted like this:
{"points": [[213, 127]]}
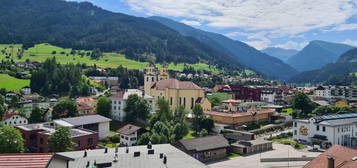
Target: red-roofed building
{"points": [[245, 92], [25, 160], [14, 119], [335, 157]]}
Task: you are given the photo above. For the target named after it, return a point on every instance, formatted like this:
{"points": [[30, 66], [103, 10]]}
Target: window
{"points": [[192, 102], [295, 124], [152, 79], [323, 129], [119, 102], [295, 132], [338, 130], [41, 140], [180, 101], [184, 102], [90, 141], [115, 102], [170, 100], [317, 128], [133, 139]]}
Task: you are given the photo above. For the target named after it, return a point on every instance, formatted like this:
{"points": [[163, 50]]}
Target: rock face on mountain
{"points": [[317, 54], [344, 71], [245, 54], [280, 53]]}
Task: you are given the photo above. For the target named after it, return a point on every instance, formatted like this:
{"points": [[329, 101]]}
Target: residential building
{"points": [[153, 156], [129, 134], [14, 119], [9, 95], [272, 95], [323, 92], [205, 148], [327, 130], [251, 146], [231, 105], [118, 102], [344, 92], [241, 118], [245, 92], [336, 156], [25, 160], [26, 90], [95, 123], [28, 106], [36, 137], [85, 105], [107, 81], [184, 93]]}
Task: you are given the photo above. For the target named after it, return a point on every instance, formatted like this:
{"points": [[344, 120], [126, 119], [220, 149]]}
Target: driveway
{"points": [[253, 161]]}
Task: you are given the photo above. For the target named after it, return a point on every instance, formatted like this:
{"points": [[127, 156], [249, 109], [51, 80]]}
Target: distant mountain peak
{"points": [[280, 53]]}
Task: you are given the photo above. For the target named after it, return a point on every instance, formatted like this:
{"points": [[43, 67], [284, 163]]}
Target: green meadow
{"points": [[11, 83], [41, 52]]}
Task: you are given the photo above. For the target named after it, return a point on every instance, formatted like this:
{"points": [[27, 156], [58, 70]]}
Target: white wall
{"points": [[15, 120], [129, 140], [103, 130]]}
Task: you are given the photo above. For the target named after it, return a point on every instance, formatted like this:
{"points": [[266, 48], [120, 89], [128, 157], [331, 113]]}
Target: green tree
{"points": [[11, 140], [164, 113], [203, 133], [103, 106], [2, 100], [180, 130], [36, 116], [2, 111], [61, 140], [180, 114], [215, 101], [136, 108], [302, 102], [64, 109], [206, 123], [197, 117]]}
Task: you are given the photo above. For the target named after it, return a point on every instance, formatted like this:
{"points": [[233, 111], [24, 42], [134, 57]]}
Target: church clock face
{"points": [[303, 131]]}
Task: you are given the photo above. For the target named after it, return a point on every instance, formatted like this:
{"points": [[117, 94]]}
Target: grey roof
{"points": [[128, 129], [205, 143], [251, 143], [83, 120], [175, 158], [339, 122]]}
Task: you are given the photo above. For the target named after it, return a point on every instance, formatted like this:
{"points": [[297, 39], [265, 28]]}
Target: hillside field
{"points": [[41, 52], [11, 83]]}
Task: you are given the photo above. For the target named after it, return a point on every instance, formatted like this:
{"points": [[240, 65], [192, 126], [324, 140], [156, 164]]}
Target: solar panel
{"points": [[337, 116]]}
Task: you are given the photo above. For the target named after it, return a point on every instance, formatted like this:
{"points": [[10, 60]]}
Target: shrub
{"points": [[115, 139]]}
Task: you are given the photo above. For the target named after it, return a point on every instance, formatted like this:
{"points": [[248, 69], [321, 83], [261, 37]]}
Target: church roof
{"points": [[175, 84]]}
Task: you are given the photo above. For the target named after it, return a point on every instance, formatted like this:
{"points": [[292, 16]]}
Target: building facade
{"points": [[184, 93], [129, 134], [327, 130], [245, 92], [272, 95], [14, 119], [118, 102]]}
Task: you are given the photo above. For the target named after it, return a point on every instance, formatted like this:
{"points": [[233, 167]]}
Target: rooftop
{"points": [[49, 129], [128, 129], [25, 160], [84, 120], [175, 84], [205, 143], [175, 157], [239, 114], [343, 156]]}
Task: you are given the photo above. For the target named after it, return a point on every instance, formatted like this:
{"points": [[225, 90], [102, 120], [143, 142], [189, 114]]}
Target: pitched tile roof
{"points": [[9, 115], [175, 84], [342, 155], [128, 129], [25, 160], [205, 143]]}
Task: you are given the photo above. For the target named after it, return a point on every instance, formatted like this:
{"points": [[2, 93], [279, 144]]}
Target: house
{"points": [[30, 98], [205, 148], [251, 146], [95, 123], [26, 90], [107, 81], [85, 105], [336, 156], [327, 130], [272, 95], [231, 105], [27, 106], [22, 160], [118, 102], [9, 95], [129, 134], [323, 92], [245, 92], [150, 156], [14, 119], [36, 137], [240, 118], [184, 93]]}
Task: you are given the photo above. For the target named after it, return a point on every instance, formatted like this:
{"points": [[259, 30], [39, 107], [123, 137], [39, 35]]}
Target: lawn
{"points": [[232, 155], [221, 96], [189, 135], [41, 52], [11, 83], [287, 111]]}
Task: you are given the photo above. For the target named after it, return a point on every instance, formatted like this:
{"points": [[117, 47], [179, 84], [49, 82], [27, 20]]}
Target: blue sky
{"points": [[260, 23]]}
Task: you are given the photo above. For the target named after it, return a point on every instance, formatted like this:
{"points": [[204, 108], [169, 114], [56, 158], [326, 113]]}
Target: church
{"points": [[185, 93]]}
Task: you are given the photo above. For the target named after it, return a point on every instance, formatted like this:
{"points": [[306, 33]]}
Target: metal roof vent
{"points": [[85, 153], [165, 160]]}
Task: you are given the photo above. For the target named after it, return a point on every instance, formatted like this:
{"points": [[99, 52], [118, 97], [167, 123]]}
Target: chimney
{"points": [[149, 146], [127, 149], [105, 150], [330, 161], [165, 160], [85, 153], [161, 155]]}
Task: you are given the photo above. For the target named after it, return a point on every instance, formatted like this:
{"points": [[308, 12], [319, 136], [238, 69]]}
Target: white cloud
{"points": [[350, 42], [257, 40], [191, 22], [293, 45], [276, 17], [343, 27]]}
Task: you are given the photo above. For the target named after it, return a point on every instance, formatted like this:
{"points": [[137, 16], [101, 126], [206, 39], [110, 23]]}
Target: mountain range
{"points": [[280, 53], [317, 54], [343, 71], [245, 54], [85, 26]]}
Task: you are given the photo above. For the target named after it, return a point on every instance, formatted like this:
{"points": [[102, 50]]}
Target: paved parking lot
{"points": [[253, 161]]}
